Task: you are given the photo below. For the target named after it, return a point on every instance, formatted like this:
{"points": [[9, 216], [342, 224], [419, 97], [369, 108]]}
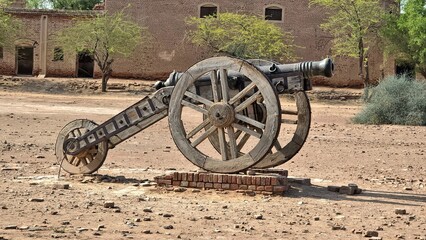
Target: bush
{"points": [[396, 100]]}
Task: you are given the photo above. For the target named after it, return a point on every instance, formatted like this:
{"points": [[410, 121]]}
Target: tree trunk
{"points": [[361, 60], [106, 74]]}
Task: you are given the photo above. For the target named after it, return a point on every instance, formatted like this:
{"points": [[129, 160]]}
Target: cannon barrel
{"points": [[309, 69]]}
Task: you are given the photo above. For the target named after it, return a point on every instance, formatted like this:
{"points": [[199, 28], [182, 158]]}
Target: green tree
{"points": [[9, 27], [241, 35], [63, 4], [354, 25], [105, 37], [405, 34]]}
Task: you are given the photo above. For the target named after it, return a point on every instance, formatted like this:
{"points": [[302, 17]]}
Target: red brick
{"points": [[176, 183], [217, 185], [243, 187], [234, 186], [196, 177], [185, 177], [215, 177], [190, 177], [220, 178], [179, 177], [224, 178], [274, 181], [175, 176], [251, 187], [225, 186], [257, 179], [269, 188], [267, 181], [260, 188], [239, 179], [262, 181], [247, 180], [164, 181], [201, 177], [234, 179], [200, 185], [210, 178], [193, 184], [208, 185]]}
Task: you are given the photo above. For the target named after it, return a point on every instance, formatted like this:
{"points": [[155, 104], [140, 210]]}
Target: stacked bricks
{"points": [[264, 183]]}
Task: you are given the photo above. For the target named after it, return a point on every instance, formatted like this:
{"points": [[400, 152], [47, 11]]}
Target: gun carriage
{"points": [[238, 110]]}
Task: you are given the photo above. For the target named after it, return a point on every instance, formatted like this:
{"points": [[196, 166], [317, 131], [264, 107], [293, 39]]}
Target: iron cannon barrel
{"points": [[308, 69]]}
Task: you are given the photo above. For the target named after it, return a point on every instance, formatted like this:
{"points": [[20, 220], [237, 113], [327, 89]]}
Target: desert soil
{"points": [[387, 162]]}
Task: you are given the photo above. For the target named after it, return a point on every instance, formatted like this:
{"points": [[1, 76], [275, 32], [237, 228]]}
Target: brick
{"points": [[234, 179], [193, 184], [239, 179], [164, 181], [234, 186], [208, 185], [226, 186], [176, 183], [201, 177], [274, 181], [220, 178], [258, 182], [175, 176], [215, 178], [217, 185], [184, 183], [196, 177], [184, 176], [168, 177], [210, 178], [248, 180], [260, 188], [243, 187], [269, 188], [190, 177], [251, 187], [267, 181], [224, 178], [279, 189], [200, 185], [262, 181]]}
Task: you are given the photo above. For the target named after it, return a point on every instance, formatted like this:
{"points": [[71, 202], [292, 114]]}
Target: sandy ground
{"points": [[387, 162]]}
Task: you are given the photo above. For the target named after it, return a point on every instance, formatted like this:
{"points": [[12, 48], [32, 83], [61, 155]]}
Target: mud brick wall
{"points": [[271, 183]]}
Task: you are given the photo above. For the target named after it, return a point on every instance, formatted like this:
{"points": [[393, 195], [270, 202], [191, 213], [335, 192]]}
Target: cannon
{"points": [[236, 116]]}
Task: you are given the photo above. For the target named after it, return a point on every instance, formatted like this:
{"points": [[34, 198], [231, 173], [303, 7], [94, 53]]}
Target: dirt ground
{"points": [[387, 162]]}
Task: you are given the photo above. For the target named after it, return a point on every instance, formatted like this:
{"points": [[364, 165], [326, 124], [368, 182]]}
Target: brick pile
{"points": [[266, 183]]}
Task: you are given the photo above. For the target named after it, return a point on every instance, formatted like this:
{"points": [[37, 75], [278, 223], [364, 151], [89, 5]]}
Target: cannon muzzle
{"points": [[324, 68]]}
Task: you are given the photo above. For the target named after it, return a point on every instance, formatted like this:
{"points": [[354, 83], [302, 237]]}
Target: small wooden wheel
{"points": [[219, 108], [89, 160], [295, 129]]}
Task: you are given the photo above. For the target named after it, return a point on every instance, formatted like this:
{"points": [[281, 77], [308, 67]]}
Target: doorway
{"points": [[85, 65], [24, 60], [405, 68]]}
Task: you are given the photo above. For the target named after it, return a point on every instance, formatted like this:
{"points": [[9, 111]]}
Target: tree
{"points": [[105, 37], [405, 34], [241, 35], [63, 4], [9, 27], [354, 26]]}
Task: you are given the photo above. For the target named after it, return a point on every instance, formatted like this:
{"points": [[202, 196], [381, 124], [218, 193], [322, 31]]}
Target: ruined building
{"points": [[37, 54]]}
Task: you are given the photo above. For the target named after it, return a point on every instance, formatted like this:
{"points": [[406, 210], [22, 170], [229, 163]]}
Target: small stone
{"points": [[338, 227], [10, 227], [147, 232], [109, 204], [61, 186], [147, 219], [408, 189], [167, 215], [316, 218], [146, 184], [208, 217], [147, 209], [180, 189], [36, 199], [400, 211], [371, 234], [375, 238], [137, 220], [258, 216], [23, 228], [82, 230], [65, 223], [217, 231], [168, 227], [196, 190]]}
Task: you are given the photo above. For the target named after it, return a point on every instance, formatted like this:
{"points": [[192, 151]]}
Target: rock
{"points": [[408, 189], [61, 186], [258, 216], [109, 204], [9, 227], [400, 211], [147, 232], [147, 219], [167, 215], [347, 190], [196, 190], [316, 218], [180, 189], [146, 184], [371, 234], [137, 220], [36, 200], [168, 227], [208, 217], [338, 227], [147, 209]]}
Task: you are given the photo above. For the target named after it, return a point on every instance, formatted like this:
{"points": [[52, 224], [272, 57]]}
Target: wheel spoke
{"points": [[83, 161], [79, 132], [77, 162], [89, 158], [247, 130], [242, 93], [195, 107], [238, 133], [250, 121], [213, 77], [247, 102], [232, 142], [198, 98], [71, 160], [288, 121], [289, 112], [203, 136], [243, 141], [224, 83], [277, 145], [222, 142], [198, 128]]}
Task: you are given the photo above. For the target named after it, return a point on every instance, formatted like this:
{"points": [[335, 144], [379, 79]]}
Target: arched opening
{"points": [[208, 9]]}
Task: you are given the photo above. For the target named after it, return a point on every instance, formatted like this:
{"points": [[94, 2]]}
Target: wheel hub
{"points": [[221, 115]]}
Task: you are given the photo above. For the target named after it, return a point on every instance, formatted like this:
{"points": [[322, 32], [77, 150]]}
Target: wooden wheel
{"points": [[296, 122], [89, 160], [221, 112]]}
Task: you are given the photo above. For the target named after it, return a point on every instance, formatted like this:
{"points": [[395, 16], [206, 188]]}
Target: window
{"points": [[274, 13], [58, 54], [1, 52], [208, 10]]}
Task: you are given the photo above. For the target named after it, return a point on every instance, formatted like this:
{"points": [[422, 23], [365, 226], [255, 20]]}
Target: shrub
{"points": [[396, 100]]}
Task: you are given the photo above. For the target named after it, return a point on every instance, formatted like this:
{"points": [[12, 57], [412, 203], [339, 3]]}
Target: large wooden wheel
{"points": [[87, 161], [296, 121], [223, 113]]}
